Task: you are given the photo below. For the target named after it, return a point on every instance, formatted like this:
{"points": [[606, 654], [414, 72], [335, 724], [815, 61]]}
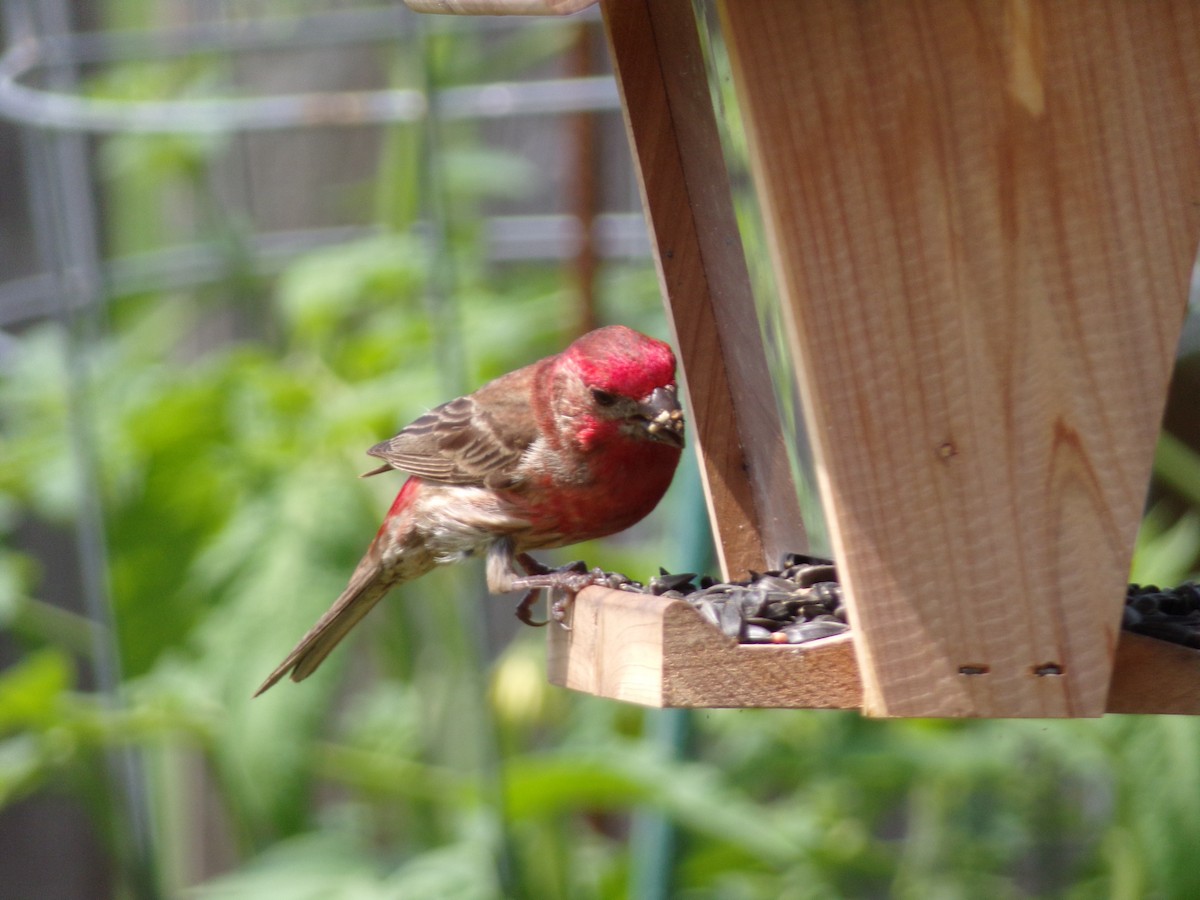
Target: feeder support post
{"points": [[983, 219]]}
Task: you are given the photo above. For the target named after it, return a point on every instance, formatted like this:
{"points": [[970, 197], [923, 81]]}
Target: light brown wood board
{"points": [[1153, 677], [982, 218], [660, 70], [644, 649]]}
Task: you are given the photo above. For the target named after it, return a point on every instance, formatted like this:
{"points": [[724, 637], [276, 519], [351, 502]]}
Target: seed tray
{"points": [[682, 641]]}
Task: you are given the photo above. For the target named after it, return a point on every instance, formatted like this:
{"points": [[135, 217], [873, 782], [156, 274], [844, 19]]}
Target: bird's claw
{"points": [[563, 583], [525, 610], [558, 608]]}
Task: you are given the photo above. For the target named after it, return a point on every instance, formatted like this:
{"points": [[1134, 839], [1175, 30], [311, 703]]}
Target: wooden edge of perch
{"points": [[658, 652], [1153, 677], [661, 653], [500, 7]]}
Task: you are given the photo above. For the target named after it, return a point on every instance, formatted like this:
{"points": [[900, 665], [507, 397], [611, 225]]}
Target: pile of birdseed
{"points": [[1169, 614], [802, 601]]}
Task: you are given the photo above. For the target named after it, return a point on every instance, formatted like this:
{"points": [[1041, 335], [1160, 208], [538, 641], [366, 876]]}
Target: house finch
{"points": [[576, 446]]}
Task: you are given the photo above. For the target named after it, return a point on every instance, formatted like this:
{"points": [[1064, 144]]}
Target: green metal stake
{"points": [[654, 837]]}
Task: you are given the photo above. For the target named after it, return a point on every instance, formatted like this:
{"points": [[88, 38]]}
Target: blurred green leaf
{"points": [[479, 172], [1165, 553], [327, 288], [461, 871], [21, 763], [1178, 466], [31, 689], [316, 866]]}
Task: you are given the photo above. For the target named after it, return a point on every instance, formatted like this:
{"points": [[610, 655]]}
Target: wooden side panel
{"points": [[614, 647], [706, 669], [702, 272], [658, 652], [1152, 677], [983, 216]]}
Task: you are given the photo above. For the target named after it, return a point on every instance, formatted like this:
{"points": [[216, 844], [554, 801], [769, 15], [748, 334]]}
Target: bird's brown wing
{"points": [[477, 439]]}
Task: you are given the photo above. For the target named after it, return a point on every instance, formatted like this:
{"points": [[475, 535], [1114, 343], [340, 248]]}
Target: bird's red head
{"points": [[621, 383], [622, 361]]}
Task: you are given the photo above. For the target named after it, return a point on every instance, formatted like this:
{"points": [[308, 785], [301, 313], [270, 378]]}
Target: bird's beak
{"points": [[663, 417]]}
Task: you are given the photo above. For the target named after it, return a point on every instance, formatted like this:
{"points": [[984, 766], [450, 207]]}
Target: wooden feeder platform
{"points": [[661, 653], [982, 219]]}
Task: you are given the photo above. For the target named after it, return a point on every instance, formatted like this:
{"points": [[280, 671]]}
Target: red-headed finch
{"points": [[576, 446]]}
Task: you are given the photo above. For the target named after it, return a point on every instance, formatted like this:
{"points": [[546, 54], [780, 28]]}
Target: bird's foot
{"points": [[563, 583]]}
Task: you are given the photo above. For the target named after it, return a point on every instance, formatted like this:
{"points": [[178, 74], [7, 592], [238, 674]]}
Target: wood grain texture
{"points": [[702, 272], [1154, 677], [500, 7], [657, 652], [982, 218]]}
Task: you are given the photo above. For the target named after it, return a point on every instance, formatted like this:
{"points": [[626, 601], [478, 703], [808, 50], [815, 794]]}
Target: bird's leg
{"points": [[502, 577], [531, 565], [525, 608]]}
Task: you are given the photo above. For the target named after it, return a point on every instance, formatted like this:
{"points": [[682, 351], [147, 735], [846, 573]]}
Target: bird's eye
{"points": [[603, 398]]}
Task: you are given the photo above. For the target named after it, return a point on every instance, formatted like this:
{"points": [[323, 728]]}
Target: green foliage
{"points": [[233, 517], [1168, 547]]}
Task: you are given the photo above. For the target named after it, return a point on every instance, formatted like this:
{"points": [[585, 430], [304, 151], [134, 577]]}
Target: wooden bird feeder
{"points": [[982, 219]]}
